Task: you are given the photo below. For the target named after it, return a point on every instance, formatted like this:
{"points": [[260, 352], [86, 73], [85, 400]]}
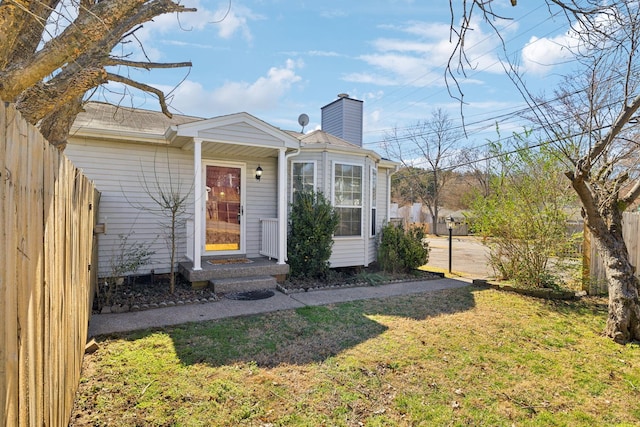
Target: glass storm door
{"points": [[223, 208]]}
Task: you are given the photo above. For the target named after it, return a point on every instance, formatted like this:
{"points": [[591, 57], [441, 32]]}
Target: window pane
{"points": [[348, 193], [350, 222], [373, 221], [348, 185], [303, 176]]}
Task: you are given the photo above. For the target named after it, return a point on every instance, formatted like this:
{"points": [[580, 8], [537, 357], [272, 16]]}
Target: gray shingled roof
{"points": [[99, 115], [322, 137]]}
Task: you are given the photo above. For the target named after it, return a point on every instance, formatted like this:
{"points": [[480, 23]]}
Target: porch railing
{"points": [[269, 239]]}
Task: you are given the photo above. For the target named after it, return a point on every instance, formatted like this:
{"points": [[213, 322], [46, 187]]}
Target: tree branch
{"points": [[590, 209], [623, 118], [88, 30], [632, 194], [42, 99], [146, 65], [55, 127], [143, 87], [21, 26]]}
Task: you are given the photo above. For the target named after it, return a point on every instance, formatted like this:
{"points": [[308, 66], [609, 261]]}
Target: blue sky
{"points": [[276, 59]]}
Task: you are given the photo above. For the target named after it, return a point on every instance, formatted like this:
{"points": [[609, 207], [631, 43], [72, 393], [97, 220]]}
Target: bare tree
{"points": [[475, 163], [168, 200], [594, 121], [53, 51], [427, 146]]}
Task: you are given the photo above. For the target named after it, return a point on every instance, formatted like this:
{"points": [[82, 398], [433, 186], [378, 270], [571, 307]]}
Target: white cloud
{"points": [[235, 20], [234, 96], [227, 23], [324, 53], [228, 19], [333, 13], [419, 58], [539, 55]]}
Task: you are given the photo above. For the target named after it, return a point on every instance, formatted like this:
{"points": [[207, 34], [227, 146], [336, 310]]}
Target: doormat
{"points": [[229, 261], [251, 295]]}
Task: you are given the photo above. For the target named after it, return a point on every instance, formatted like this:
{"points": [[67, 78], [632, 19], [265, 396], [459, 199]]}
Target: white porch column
{"points": [[198, 195], [282, 206]]}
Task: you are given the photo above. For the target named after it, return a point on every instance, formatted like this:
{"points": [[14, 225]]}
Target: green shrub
{"points": [[524, 219], [312, 223], [400, 250]]}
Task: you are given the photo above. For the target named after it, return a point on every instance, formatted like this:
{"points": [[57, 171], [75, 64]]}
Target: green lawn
{"points": [[458, 357]]}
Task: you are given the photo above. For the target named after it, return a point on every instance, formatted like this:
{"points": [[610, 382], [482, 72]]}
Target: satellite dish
{"points": [[303, 120]]}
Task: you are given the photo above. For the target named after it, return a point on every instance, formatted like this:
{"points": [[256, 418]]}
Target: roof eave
{"points": [[118, 135], [341, 149]]}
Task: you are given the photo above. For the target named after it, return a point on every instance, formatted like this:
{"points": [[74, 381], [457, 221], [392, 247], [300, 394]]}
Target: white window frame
{"points": [[315, 174], [373, 201], [333, 195]]}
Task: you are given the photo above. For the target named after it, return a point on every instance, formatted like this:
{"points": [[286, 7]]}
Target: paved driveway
{"points": [[469, 256]]}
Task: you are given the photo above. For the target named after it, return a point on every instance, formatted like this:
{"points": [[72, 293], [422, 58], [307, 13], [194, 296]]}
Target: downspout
{"points": [[283, 162]]}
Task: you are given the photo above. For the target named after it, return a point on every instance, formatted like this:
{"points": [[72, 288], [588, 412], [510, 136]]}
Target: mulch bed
{"points": [[149, 292], [347, 278]]}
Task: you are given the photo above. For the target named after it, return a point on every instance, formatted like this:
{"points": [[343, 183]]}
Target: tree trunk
{"points": [[172, 279], [434, 221], [623, 323], [602, 211]]}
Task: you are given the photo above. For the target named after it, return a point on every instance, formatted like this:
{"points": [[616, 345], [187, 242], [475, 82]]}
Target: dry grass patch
{"points": [[456, 357]]}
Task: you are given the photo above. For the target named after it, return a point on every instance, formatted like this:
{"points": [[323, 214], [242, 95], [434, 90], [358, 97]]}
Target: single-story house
{"points": [[236, 174]]}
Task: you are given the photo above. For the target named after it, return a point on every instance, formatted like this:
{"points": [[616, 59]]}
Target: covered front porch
{"points": [[237, 214]]}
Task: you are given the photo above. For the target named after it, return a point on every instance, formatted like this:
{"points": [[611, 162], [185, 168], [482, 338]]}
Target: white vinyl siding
{"points": [[119, 168], [348, 253], [261, 201], [124, 168]]}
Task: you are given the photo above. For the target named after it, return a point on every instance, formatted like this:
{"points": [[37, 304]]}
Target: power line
{"points": [[492, 121], [513, 22]]}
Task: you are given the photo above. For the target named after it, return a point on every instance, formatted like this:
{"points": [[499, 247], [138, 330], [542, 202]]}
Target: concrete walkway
{"points": [[102, 324]]}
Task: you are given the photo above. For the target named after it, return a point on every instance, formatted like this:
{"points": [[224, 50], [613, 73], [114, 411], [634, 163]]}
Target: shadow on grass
{"points": [[585, 306], [305, 335]]}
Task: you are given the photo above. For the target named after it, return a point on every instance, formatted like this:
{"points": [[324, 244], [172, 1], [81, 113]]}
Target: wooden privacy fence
{"points": [[47, 249], [594, 281]]}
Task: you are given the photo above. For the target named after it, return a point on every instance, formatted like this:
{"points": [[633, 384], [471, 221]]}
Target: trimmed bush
{"points": [[312, 223], [402, 251]]}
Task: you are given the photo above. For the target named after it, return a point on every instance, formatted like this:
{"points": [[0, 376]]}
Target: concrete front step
{"points": [[256, 267], [243, 284]]}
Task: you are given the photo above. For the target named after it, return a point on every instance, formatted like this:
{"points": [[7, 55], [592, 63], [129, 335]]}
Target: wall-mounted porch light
{"points": [[258, 173]]}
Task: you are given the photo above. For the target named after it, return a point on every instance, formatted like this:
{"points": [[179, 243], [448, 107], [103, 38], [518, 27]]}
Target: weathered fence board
{"points": [[595, 281], [47, 216], [4, 356]]}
